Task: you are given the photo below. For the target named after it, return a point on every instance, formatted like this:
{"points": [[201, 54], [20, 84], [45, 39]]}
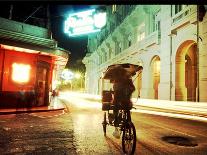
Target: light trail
{"points": [[173, 115], [80, 100], [194, 109]]}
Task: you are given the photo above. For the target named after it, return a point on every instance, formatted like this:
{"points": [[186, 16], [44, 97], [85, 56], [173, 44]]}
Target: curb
{"points": [[30, 110]]}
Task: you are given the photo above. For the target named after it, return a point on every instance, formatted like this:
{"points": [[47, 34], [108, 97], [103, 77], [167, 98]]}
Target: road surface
{"points": [[155, 134], [78, 130]]}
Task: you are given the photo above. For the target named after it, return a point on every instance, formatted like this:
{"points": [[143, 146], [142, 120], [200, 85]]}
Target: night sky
{"points": [[76, 45]]}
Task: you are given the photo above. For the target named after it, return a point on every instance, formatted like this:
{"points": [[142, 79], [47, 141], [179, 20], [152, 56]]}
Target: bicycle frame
{"points": [[126, 127], [124, 116]]}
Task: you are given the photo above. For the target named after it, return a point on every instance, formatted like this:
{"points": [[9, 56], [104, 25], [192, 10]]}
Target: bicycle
{"points": [[126, 126]]}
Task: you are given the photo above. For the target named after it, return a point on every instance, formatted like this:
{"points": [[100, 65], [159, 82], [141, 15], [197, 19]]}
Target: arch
{"points": [[182, 49], [155, 76], [186, 71]]}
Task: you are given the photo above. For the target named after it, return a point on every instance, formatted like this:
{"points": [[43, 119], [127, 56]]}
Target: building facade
{"points": [[30, 63], [168, 41]]}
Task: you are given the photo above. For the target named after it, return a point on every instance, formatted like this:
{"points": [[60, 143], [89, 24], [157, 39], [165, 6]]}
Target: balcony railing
{"points": [[153, 38], [150, 40], [181, 15]]}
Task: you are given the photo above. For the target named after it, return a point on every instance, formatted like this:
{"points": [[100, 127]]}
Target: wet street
{"points": [[37, 133], [78, 130], [156, 135]]}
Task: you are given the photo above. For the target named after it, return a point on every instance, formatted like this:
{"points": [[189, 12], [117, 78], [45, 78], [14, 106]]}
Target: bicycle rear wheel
{"points": [[104, 123], [129, 139]]}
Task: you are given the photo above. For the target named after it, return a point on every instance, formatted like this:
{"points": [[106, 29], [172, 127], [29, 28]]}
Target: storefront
{"points": [[30, 63]]}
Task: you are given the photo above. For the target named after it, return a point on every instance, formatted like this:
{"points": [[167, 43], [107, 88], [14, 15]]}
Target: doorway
{"points": [[155, 66], [186, 72], [42, 84]]}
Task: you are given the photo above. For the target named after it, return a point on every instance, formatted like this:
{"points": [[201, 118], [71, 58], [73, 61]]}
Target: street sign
{"points": [[85, 22]]}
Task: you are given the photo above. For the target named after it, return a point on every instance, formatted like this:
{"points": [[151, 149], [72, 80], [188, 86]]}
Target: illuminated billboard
{"points": [[85, 22]]}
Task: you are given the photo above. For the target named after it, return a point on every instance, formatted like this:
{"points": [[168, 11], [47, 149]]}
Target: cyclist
{"points": [[123, 89]]}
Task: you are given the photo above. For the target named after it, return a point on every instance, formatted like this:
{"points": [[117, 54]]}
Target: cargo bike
{"points": [[126, 126]]}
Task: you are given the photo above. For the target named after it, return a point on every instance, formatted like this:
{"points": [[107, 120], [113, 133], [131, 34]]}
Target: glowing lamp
{"points": [[20, 72], [67, 74], [77, 75]]}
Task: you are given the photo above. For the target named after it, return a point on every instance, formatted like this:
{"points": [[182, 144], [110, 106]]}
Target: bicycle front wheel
{"points": [[129, 139]]}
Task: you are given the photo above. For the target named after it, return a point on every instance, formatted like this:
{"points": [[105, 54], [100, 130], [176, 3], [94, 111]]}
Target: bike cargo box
{"points": [[106, 99]]}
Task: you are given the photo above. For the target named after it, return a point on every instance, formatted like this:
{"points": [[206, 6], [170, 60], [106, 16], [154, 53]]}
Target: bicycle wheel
{"points": [[129, 139], [104, 123]]}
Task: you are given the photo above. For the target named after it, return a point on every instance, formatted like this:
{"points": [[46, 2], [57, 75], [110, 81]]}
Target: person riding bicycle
{"points": [[123, 88]]}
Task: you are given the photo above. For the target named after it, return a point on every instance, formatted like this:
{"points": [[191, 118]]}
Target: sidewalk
{"points": [[57, 105], [179, 107], [192, 109]]}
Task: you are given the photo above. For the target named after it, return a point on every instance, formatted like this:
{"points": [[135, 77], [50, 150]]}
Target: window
{"points": [[105, 56], [141, 36], [129, 40], [141, 32], [113, 8], [116, 48], [100, 59], [109, 53], [178, 8], [156, 21], [158, 25], [20, 72], [120, 49]]}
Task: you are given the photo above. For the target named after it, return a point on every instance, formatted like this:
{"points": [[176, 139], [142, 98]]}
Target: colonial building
{"points": [[30, 62], [168, 41]]}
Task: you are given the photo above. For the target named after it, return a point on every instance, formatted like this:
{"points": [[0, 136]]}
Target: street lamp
{"points": [[67, 76]]}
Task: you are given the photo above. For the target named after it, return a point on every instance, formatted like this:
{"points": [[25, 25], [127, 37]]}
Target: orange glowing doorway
{"points": [[42, 83], [155, 66], [186, 72]]}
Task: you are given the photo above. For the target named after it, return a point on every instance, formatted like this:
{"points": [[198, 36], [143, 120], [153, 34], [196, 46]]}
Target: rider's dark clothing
{"points": [[123, 89]]}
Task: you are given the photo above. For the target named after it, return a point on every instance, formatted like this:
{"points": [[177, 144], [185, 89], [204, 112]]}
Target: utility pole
{"points": [[10, 12], [48, 24]]}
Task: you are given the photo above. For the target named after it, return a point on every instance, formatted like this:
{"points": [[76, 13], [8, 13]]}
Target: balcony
{"points": [[150, 40], [147, 42], [185, 16]]}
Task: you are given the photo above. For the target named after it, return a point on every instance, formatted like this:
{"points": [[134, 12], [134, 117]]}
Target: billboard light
{"points": [[85, 22]]}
